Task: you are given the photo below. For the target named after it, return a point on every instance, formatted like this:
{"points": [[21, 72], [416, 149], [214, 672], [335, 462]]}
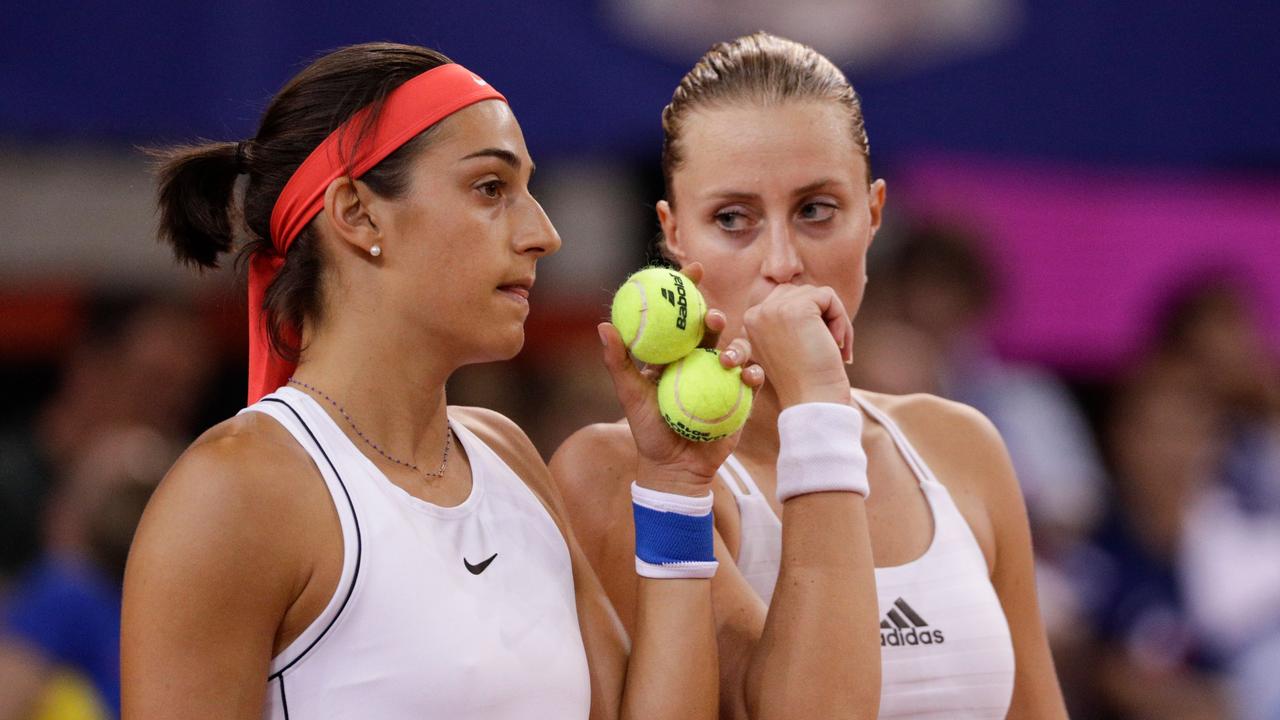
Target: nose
{"points": [[781, 262], [537, 236]]}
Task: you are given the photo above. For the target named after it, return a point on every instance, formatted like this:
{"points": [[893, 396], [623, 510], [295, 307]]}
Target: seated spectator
{"points": [[141, 361], [1155, 661], [1209, 329], [946, 289], [63, 613], [1210, 326]]}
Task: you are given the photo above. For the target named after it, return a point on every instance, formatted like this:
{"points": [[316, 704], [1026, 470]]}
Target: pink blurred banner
{"points": [[1086, 256]]}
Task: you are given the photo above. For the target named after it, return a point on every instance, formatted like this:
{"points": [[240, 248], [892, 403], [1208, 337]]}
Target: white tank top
{"points": [[945, 645], [459, 612]]}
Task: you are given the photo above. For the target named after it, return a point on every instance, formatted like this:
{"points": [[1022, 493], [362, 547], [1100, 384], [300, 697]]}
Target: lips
{"points": [[518, 289]]}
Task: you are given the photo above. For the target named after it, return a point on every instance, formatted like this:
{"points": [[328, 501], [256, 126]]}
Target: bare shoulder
{"points": [[596, 462], [592, 471], [942, 428], [249, 458], [241, 504], [229, 542], [964, 450], [930, 414]]}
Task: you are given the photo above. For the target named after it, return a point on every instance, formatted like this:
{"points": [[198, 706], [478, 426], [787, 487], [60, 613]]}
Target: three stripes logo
{"points": [[903, 626]]}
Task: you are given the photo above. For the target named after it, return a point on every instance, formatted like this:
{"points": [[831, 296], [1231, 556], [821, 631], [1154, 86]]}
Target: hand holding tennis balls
{"points": [[667, 461], [660, 315]]}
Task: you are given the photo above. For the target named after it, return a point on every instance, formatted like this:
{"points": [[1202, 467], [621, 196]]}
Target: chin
{"points": [[493, 346], [509, 344], [514, 351]]}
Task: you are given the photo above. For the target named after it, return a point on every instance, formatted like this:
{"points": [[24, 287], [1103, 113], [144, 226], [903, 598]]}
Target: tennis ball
{"points": [[701, 400], [659, 314]]}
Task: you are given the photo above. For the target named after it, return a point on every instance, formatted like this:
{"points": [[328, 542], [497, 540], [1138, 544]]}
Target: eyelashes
{"points": [[492, 189], [817, 211], [731, 220], [737, 220]]}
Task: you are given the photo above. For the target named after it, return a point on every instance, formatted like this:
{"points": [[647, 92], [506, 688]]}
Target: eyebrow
{"points": [[505, 156], [816, 185], [740, 195]]}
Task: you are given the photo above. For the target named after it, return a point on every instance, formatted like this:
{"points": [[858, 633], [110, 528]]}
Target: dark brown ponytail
{"points": [[199, 213], [196, 187]]}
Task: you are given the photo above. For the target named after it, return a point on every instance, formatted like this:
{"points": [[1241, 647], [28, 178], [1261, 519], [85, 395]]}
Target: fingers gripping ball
{"points": [[701, 400], [659, 314]]}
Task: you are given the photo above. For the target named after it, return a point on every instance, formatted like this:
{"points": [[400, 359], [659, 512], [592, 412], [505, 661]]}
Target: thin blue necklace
{"points": [[448, 434]]}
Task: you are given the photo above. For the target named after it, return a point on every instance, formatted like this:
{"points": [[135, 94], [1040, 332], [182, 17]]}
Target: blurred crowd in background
{"points": [[1115, 312]]}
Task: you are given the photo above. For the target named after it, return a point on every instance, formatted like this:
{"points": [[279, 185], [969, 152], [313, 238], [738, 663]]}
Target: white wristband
{"points": [[670, 502], [821, 450]]}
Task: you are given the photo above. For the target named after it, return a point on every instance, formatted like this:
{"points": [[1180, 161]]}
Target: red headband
{"points": [[409, 109]]}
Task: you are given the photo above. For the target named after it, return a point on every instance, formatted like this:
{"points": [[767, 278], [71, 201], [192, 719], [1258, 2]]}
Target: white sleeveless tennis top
{"points": [[461, 612], [945, 645]]}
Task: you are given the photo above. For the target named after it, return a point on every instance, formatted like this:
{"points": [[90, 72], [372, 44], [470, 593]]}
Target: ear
{"points": [[875, 200], [670, 234], [348, 210]]}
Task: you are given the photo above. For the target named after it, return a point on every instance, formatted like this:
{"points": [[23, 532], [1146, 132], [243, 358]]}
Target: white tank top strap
{"points": [[951, 530], [760, 541], [917, 464], [737, 479], [287, 409]]}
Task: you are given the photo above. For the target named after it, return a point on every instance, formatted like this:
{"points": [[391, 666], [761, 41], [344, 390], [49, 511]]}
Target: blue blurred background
{"points": [[1083, 241]]}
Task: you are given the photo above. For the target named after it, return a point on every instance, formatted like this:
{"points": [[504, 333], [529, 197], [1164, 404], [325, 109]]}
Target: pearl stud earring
{"points": [[376, 250]]}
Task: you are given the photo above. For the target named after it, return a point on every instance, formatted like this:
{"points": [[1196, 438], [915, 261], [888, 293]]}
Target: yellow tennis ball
{"points": [[701, 400], [659, 314]]}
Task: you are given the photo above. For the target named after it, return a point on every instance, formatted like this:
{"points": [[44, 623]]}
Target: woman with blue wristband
{"points": [[350, 545], [916, 600]]}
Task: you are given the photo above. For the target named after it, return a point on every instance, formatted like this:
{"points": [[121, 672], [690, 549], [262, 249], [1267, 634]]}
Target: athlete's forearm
{"points": [[673, 669], [819, 655], [672, 672]]}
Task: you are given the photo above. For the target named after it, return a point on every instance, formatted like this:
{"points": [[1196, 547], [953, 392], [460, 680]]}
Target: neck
{"points": [[390, 389]]}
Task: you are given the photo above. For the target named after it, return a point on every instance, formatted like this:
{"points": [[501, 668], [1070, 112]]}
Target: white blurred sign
{"points": [[855, 34]]}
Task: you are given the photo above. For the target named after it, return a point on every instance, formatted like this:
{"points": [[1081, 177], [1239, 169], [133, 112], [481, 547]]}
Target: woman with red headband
{"points": [[348, 545]]}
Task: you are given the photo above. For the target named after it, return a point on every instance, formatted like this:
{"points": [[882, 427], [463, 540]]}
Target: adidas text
{"points": [[910, 637]]}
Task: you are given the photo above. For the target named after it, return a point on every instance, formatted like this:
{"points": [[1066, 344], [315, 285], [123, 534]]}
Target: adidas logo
{"points": [[903, 626]]}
